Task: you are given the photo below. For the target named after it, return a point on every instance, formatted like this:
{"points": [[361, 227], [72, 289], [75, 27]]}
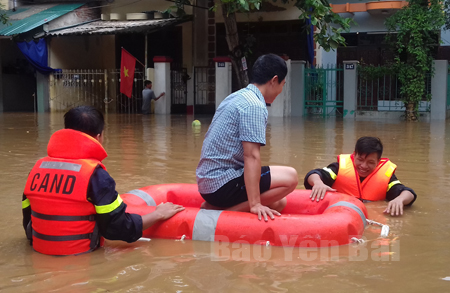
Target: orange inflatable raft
{"points": [[332, 221]]}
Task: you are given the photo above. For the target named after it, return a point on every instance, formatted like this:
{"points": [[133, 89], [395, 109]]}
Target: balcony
{"points": [[375, 8]]}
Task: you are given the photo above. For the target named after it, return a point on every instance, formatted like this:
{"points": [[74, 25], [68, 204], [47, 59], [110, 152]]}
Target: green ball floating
{"points": [[196, 123]]}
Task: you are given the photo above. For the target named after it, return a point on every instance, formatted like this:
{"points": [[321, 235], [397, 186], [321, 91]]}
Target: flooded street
{"points": [[155, 149]]}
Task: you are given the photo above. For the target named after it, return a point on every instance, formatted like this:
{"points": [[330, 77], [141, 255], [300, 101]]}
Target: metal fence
{"points": [[99, 88], [324, 89], [383, 94], [123, 104], [204, 90], [179, 78], [70, 88]]}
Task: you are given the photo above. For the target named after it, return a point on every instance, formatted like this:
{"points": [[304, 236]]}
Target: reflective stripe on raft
{"points": [[145, 197], [205, 225], [353, 207]]}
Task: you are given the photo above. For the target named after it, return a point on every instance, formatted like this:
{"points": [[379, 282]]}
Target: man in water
{"points": [[147, 96], [363, 174], [229, 174], [70, 201]]}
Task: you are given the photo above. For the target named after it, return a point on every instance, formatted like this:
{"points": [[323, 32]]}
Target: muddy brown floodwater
{"points": [[145, 150]]}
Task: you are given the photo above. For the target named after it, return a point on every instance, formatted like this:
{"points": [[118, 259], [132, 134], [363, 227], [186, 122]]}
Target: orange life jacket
{"points": [[374, 187], [63, 220]]}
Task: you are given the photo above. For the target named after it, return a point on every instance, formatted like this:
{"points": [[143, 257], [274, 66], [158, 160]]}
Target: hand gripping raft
{"points": [[332, 221]]}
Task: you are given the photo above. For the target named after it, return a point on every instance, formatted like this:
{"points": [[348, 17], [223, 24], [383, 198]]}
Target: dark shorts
{"points": [[234, 192]]}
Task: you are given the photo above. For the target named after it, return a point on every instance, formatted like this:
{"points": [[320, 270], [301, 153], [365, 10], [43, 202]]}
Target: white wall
{"points": [[162, 84], [327, 58], [365, 22], [6, 4], [82, 52], [281, 107], [68, 19], [445, 37]]}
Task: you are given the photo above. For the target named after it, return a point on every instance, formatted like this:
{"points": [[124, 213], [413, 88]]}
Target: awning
{"points": [[26, 18], [110, 27]]}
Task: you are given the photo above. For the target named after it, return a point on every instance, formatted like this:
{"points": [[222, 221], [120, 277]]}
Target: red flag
{"points": [[127, 73]]}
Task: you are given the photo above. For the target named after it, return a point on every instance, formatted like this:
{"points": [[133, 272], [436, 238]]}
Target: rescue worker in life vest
{"points": [[70, 201], [363, 174]]}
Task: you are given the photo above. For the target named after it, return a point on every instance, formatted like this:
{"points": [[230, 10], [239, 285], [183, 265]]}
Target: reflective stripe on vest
{"points": [[106, 209], [61, 166], [332, 174], [372, 188], [25, 203], [392, 184]]}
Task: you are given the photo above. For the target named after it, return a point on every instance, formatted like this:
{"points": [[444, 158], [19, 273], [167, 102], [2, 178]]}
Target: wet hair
{"points": [[266, 67], [367, 145], [86, 119], [147, 82]]}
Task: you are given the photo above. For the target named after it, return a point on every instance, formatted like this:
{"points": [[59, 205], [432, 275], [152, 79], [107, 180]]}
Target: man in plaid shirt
{"points": [[229, 174]]}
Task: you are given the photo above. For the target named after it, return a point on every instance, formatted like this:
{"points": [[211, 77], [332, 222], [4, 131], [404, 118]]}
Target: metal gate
{"points": [[124, 104], [71, 88], [324, 91], [179, 78], [99, 88], [204, 90]]}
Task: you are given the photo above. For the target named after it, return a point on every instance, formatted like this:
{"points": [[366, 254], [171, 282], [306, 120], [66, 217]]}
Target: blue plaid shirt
{"points": [[242, 116]]}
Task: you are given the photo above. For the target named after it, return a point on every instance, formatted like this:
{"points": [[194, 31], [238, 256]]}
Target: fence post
{"points": [[42, 91], [52, 94], [162, 84], [105, 78], [297, 85], [223, 78], [350, 88], [438, 110]]}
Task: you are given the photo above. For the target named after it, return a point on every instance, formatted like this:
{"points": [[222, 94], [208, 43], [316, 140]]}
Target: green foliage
{"points": [[3, 16], [329, 25], [372, 72], [178, 8], [417, 28], [241, 5]]}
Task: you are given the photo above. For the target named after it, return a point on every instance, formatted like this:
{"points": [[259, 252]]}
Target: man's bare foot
{"points": [[208, 206]]}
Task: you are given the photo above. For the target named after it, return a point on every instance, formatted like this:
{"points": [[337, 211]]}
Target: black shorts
{"points": [[234, 192]]}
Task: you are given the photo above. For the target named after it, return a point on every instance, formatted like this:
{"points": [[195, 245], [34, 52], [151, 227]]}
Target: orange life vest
{"points": [[63, 220], [374, 187]]}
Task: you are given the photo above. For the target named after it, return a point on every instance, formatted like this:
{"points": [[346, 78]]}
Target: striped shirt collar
{"points": [[257, 92]]}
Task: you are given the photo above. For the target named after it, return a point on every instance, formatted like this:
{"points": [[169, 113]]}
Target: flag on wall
{"points": [[127, 65]]}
